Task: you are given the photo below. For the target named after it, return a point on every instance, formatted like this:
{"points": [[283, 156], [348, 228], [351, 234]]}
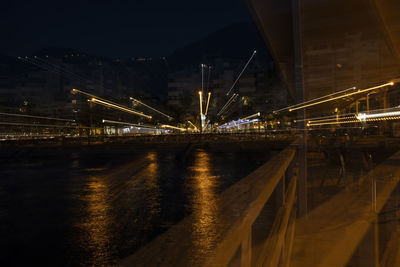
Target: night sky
{"points": [[113, 28]]}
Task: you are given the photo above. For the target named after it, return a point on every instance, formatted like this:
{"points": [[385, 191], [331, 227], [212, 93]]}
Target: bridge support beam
{"points": [[301, 115]]}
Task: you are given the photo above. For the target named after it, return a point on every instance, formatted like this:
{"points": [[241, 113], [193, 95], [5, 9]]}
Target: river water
{"points": [[83, 207]]}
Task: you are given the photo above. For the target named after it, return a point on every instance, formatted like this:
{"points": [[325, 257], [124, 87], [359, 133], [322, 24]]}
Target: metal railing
{"points": [[239, 207]]}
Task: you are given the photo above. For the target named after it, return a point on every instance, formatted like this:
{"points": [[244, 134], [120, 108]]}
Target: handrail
{"points": [[239, 206], [270, 253]]}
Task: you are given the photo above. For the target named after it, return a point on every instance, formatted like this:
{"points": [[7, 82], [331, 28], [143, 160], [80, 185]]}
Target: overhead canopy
{"points": [[345, 43]]}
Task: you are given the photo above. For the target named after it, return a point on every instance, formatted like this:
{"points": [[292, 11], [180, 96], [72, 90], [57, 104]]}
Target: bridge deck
{"points": [[331, 233]]}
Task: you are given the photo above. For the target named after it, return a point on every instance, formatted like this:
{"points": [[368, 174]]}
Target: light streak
{"points": [[235, 124], [208, 102], [252, 116], [140, 102], [237, 79], [318, 98], [74, 91], [342, 96], [122, 108], [227, 112], [131, 124], [193, 125], [325, 117], [344, 117], [227, 104], [37, 117], [172, 127], [363, 116], [354, 121], [201, 102], [375, 115], [109, 103]]}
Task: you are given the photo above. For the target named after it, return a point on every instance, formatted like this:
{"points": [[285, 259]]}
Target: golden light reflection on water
{"points": [[205, 206], [151, 184], [97, 223]]}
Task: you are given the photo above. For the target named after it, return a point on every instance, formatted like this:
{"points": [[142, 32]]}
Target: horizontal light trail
{"points": [[374, 115], [325, 117], [36, 117], [315, 99], [364, 116], [342, 96], [237, 123], [355, 121], [172, 127], [252, 116], [122, 108], [137, 126], [130, 124], [347, 117], [147, 106]]}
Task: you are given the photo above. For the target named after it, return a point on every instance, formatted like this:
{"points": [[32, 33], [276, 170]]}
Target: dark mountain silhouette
{"points": [[235, 42]]}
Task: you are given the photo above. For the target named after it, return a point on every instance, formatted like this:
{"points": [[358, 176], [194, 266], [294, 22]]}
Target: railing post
{"points": [[246, 249]]}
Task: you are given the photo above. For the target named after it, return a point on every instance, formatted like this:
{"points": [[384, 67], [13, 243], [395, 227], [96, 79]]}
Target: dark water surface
{"points": [[66, 207]]}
